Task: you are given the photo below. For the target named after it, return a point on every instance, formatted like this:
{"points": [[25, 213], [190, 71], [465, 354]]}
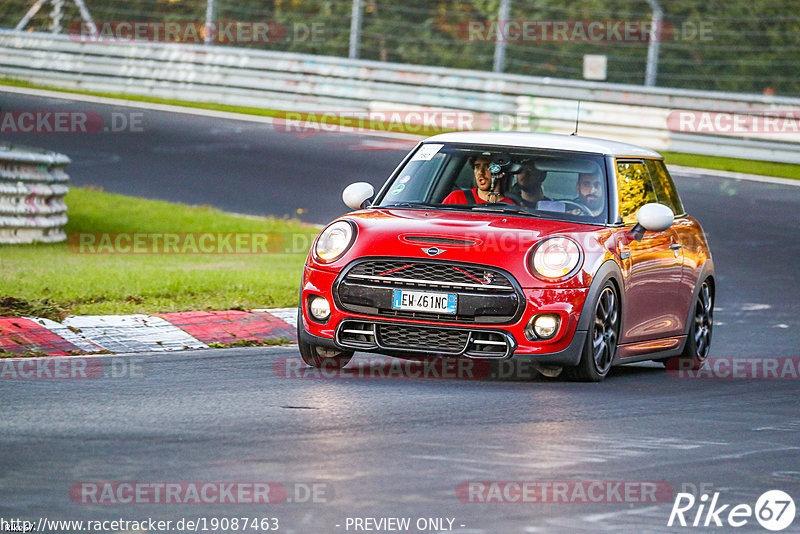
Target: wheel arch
{"points": [[706, 273], [609, 270]]}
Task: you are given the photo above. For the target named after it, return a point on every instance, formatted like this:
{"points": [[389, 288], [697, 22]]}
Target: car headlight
{"points": [[334, 241], [556, 258]]}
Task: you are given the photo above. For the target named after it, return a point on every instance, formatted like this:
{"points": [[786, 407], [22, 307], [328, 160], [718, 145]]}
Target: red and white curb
{"points": [[82, 334]]}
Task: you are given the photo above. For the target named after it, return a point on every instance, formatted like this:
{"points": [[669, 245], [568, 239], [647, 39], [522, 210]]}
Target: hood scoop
{"points": [[437, 240]]}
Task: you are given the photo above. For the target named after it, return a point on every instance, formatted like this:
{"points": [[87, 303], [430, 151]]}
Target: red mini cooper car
{"points": [[573, 252]]}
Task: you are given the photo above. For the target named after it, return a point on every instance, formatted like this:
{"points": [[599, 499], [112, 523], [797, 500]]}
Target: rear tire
{"points": [[602, 338], [318, 356], [698, 342]]}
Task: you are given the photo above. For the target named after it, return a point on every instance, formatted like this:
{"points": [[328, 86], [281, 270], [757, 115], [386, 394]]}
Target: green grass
{"points": [[251, 343], [53, 280], [4, 354], [764, 168]]}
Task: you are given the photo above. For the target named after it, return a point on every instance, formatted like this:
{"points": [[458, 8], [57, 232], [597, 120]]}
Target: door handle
{"points": [[676, 246]]}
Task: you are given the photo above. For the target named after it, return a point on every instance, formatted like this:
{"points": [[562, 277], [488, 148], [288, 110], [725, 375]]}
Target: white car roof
{"points": [[573, 143]]}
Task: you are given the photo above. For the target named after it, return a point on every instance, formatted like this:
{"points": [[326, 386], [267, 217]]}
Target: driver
{"points": [[590, 193], [484, 192]]}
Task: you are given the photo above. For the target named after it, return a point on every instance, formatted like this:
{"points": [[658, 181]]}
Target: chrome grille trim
{"points": [[427, 283], [488, 342], [438, 271]]}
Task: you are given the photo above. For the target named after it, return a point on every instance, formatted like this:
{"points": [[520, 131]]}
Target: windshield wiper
{"points": [[500, 206], [407, 205]]}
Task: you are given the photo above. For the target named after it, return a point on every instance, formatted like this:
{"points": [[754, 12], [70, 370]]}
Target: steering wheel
{"points": [[582, 207]]}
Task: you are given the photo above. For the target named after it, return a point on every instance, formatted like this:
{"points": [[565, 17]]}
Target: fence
{"points": [[282, 80], [747, 47], [32, 189]]}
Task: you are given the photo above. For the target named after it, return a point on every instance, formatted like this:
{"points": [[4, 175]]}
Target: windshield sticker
{"points": [[398, 189], [404, 179], [426, 152]]}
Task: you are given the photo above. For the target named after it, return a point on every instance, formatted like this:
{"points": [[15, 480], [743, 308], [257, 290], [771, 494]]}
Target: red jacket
{"points": [[459, 196]]}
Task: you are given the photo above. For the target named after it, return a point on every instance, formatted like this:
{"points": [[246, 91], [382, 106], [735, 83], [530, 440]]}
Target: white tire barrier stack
{"points": [[32, 189]]}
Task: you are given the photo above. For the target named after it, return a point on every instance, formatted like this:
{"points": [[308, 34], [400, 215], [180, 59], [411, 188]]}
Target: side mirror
{"points": [[357, 196], [652, 218]]}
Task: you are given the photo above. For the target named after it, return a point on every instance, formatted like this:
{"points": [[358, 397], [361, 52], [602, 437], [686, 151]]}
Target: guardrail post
{"points": [[355, 29], [652, 47], [56, 15], [207, 36], [500, 45]]}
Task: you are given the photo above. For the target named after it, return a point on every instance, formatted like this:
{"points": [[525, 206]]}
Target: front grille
{"points": [[486, 295], [393, 338], [415, 338], [431, 274]]}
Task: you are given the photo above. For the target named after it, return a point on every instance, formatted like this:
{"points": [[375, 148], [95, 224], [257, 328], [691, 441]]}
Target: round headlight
{"points": [[334, 241], [556, 258]]}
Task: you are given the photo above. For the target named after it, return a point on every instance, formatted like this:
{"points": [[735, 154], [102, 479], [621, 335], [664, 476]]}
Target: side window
{"points": [[634, 188], [560, 185], [665, 189]]}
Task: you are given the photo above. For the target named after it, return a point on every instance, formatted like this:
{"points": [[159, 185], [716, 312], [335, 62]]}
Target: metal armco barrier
{"points": [[32, 189], [298, 82]]}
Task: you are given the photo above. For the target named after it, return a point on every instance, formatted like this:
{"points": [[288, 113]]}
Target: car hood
{"points": [[497, 239]]}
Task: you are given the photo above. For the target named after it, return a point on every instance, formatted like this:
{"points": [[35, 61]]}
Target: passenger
{"points": [[530, 181], [484, 192]]}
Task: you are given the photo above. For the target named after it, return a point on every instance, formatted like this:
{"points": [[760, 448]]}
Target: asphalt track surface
{"points": [[238, 166], [399, 447]]}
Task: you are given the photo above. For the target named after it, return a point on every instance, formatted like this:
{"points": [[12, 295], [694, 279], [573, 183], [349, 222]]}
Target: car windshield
{"points": [[526, 181]]}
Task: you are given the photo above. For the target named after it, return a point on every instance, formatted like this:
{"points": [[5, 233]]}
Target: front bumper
{"points": [[396, 336]]}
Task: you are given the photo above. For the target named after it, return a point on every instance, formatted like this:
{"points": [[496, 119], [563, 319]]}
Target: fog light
{"points": [[542, 326], [319, 308]]}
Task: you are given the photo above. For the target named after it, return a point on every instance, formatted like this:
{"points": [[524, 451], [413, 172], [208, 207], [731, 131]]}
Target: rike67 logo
{"points": [[774, 510]]}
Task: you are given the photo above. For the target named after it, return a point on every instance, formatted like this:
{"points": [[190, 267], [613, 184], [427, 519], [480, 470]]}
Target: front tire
{"points": [[698, 342], [602, 338], [316, 355], [323, 357]]}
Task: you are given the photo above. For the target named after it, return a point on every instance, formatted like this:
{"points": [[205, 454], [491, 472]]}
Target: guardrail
{"points": [[281, 80], [32, 189]]}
